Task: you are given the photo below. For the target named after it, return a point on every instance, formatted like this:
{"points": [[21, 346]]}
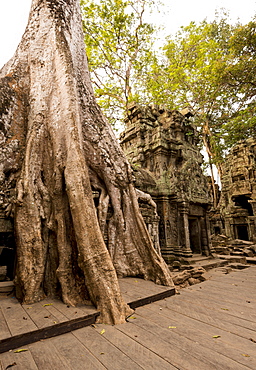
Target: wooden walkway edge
{"points": [[25, 338]]}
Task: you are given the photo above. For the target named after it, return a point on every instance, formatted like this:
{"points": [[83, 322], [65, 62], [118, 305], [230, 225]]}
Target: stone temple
{"points": [[236, 214], [162, 147]]}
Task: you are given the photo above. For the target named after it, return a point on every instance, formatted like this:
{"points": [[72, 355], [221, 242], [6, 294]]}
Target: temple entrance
{"points": [[7, 255], [242, 232], [195, 235]]}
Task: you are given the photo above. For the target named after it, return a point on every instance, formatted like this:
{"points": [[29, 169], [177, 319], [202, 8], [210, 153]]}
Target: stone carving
{"points": [[168, 152], [236, 213]]}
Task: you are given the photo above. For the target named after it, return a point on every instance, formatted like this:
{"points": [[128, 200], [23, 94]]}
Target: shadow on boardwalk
{"points": [[211, 325]]}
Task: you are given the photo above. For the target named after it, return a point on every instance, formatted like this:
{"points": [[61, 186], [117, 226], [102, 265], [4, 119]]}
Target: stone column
{"points": [[165, 229], [184, 209], [211, 249], [252, 228]]}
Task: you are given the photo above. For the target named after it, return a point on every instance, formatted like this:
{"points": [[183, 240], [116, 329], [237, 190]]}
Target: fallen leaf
{"points": [[28, 308], [245, 355], [172, 327], [11, 365], [21, 350], [132, 317], [102, 331], [216, 336], [102, 353], [55, 322], [47, 304], [225, 309]]}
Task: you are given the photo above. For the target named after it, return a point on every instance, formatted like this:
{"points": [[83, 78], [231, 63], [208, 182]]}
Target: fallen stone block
{"points": [[197, 272], [248, 252], [181, 277]]}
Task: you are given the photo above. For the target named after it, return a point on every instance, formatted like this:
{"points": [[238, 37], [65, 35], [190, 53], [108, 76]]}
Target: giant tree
{"points": [[56, 150]]}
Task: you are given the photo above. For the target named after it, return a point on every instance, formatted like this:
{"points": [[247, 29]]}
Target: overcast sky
{"points": [[14, 16]]}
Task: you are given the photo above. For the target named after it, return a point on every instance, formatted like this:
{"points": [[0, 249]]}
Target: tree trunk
{"points": [[56, 147]]}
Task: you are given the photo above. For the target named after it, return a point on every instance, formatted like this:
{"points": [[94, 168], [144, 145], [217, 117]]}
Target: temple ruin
{"points": [[236, 215], [162, 146]]}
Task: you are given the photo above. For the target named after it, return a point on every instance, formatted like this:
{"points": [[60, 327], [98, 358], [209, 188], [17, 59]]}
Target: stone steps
{"points": [[251, 260], [233, 258], [211, 264]]}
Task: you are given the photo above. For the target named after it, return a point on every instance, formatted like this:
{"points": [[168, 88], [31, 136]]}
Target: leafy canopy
{"points": [[119, 46], [210, 69]]}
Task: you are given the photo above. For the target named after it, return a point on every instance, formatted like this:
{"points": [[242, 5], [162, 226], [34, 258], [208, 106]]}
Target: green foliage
{"points": [[240, 78], [210, 69], [119, 48]]}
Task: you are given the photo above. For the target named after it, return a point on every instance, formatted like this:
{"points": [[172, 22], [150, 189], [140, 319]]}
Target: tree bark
{"points": [[56, 147]]}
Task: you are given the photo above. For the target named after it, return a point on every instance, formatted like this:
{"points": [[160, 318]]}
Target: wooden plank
{"points": [[76, 355], [48, 332], [145, 287], [73, 312], [16, 317], [19, 361], [172, 337], [152, 298], [41, 316], [4, 330], [56, 313], [233, 324], [46, 356], [217, 350], [231, 297], [139, 353], [236, 325], [175, 318], [244, 287], [204, 300], [173, 354], [137, 282], [108, 354], [140, 295]]}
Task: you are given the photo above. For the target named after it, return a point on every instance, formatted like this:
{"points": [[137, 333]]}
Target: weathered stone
{"points": [[3, 272], [236, 214], [193, 281], [240, 242], [162, 147], [248, 252], [253, 248], [176, 264], [197, 272], [181, 277]]}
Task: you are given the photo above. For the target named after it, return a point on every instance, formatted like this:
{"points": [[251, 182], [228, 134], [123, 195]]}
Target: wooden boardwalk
{"points": [[211, 325]]}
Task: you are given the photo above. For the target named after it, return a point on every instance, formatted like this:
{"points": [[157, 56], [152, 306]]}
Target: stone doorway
{"points": [[7, 255], [242, 232], [195, 235]]}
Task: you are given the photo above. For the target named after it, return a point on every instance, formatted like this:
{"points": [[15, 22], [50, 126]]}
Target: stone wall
{"points": [[162, 146], [238, 197]]}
